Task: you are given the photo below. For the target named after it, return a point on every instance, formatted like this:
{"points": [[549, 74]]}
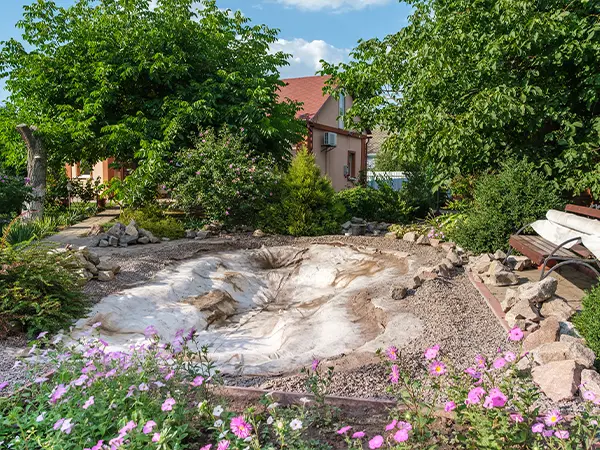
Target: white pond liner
{"points": [[284, 306]]}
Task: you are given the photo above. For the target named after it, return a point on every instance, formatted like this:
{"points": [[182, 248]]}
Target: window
{"points": [[342, 110], [352, 164]]}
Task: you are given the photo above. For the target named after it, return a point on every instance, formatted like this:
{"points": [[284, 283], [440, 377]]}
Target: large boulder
{"points": [[521, 310], [217, 305], [560, 351], [590, 382], [559, 380], [132, 229], [149, 235], [557, 307], [548, 332], [105, 275], [540, 291], [117, 230]]}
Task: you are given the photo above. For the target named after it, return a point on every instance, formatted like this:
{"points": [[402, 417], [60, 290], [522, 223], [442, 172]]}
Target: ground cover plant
{"points": [[164, 395], [587, 320], [153, 218]]}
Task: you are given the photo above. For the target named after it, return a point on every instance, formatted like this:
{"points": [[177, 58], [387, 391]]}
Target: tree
{"points": [[37, 169], [469, 83], [133, 81]]}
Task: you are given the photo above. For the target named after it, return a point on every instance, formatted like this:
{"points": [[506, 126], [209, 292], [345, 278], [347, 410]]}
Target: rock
{"points": [[217, 304], [447, 264], [415, 283], [519, 263], [570, 339], [190, 234], [538, 292], [499, 255], [92, 257], [149, 235], [442, 270], [382, 226], [477, 278], [453, 257], [128, 239], [558, 308], [358, 229], [503, 279], [132, 229], [590, 381], [497, 266], [85, 275], [257, 233], [525, 364], [95, 230], [399, 292], [423, 240], [346, 225], [427, 273], [202, 235], [106, 266], [560, 351], [559, 380], [90, 267], [548, 332], [103, 243], [391, 235], [521, 310], [583, 355], [105, 275], [447, 246], [113, 241], [411, 236], [358, 220], [165, 239], [568, 328], [434, 242], [143, 240], [117, 230], [481, 264], [510, 298]]}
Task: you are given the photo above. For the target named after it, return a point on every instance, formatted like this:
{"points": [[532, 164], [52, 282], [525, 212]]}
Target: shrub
{"points": [[223, 179], [154, 219], [305, 204], [587, 321], [14, 192], [381, 205], [503, 203], [418, 190], [38, 291]]}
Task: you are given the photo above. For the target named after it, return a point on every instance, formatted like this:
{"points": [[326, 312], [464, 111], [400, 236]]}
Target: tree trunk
{"points": [[37, 164]]}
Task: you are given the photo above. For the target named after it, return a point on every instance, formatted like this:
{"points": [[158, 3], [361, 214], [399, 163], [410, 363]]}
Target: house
{"points": [[340, 153]]}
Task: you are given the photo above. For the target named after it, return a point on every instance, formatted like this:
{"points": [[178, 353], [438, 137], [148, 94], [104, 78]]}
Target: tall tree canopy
{"points": [[137, 79], [469, 83]]}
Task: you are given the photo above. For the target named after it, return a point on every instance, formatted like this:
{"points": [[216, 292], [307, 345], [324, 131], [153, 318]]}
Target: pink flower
{"points": [[480, 361], [57, 393], [474, 395], [473, 372], [395, 375], [206, 447], [392, 353], [401, 436], [223, 445], [315, 365], [89, 402], [240, 428], [589, 396], [515, 334], [198, 381], [344, 430], [98, 446], [498, 398], [168, 404], [150, 331], [510, 356], [561, 434], [404, 426], [516, 417], [156, 437], [432, 352], [58, 424], [437, 368], [128, 427], [169, 375], [3, 385], [358, 435], [449, 406], [148, 427], [552, 417], [391, 426], [499, 363], [547, 433], [376, 442], [537, 428]]}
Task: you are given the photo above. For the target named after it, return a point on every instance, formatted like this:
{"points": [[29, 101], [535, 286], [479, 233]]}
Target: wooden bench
{"points": [[547, 254]]}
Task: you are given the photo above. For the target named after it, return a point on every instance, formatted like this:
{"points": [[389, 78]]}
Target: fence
{"points": [[397, 178]]}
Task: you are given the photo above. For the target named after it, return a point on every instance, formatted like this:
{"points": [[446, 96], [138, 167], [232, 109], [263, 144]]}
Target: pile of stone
{"points": [[120, 235], [360, 227], [497, 269], [198, 235], [88, 265]]}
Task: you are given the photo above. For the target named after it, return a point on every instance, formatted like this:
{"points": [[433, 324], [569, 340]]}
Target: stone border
{"points": [[491, 301]]}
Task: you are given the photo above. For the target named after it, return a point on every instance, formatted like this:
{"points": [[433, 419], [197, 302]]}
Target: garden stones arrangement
{"points": [[360, 227], [88, 265], [499, 270], [120, 235]]}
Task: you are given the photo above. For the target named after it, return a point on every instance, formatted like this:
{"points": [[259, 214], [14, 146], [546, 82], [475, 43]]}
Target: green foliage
{"points": [[14, 192], [154, 219], [503, 203], [122, 79], [223, 180], [305, 204], [418, 192], [381, 205], [39, 290], [587, 321], [466, 85]]}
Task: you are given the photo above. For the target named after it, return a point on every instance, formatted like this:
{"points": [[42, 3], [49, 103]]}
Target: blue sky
{"points": [[310, 30]]}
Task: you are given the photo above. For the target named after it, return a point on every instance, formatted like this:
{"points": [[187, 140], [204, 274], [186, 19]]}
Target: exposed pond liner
{"points": [[268, 311]]}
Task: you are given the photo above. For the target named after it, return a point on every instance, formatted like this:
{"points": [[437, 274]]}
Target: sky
{"points": [[310, 30]]}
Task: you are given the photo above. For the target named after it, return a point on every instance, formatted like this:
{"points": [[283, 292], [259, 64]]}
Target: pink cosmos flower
{"points": [[156, 437], [510, 356], [515, 334], [223, 445], [516, 417], [449, 406], [552, 417], [89, 402], [198, 381], [474, 395], [537, 427], [168, 404], [561, 434], [240, 427], [148, 427], [432, 352], [395, 375], [499, 363], [401, 436], [376, 442], [479, 361], [437, 368], [391, 426], [358, 435], [392, 353], [344, 430], [404, 426]]}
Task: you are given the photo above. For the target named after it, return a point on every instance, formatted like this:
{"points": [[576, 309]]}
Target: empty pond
{"points": [[268, 311]]}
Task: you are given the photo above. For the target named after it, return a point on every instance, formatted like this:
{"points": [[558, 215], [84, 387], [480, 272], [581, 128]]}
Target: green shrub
{"points": [[154, 219], [223, 179], [14, 192], [305, 204], [38, 290], [418, 190], [503, 203], [587, 321], [381, 205]]}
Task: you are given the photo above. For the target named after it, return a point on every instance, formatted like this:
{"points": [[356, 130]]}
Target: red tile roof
{"points": [[309, 91]]}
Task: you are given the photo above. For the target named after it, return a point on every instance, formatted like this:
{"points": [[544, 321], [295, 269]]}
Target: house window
{"points": [[352, 164], [342, 110]]}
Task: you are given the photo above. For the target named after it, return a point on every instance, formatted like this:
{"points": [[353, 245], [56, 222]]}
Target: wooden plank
{"points": [[548, 247], [583, 211], [524, 248]]}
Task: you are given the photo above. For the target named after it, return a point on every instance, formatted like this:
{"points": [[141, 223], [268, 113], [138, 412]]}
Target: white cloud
{"points": [[306, 56], [335, 5]]}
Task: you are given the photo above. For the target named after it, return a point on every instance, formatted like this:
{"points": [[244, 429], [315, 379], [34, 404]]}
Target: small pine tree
{"points": [[307, 206]]}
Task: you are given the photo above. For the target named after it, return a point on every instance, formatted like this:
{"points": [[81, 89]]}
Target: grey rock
{"points": [[538, 292], [559, 380], [143, 240], [92, 257], [509, 300], [105, 275], [202, 235], [410, 237], [568, 328], [497, 266], [132, 230], [558, 308], [499, 255], [117, 230], [346, 225], [358, 220], [165, 239], [128, 239], [519, 263], [453, 257], [149, 235], [90, 267], [190, 234], [399, 292], [569, 339], [358, 229], [107, 266], [103, 243], [447, 264], [503, 279], [415, 283], [113, 241], [423, 240]]}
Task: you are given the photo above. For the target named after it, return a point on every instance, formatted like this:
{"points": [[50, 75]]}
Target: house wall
{"points": [[100, 170], [332, 161]]}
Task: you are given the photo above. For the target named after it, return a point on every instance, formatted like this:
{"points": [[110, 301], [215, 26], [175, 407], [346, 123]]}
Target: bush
{"points": [[223, 179], [381, 205], [503, 203], [14, 192], [154, 219], [418, 191], [37, 289], [587, 321], [305, 204]]}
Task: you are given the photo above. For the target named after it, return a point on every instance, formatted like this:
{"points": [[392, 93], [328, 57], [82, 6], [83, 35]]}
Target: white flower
{"points": [[295, 424], [222, 435], [218, 423], [270, 420], [273, 405], [218, 411], [279, 424], [40, 417], [305, 400]]}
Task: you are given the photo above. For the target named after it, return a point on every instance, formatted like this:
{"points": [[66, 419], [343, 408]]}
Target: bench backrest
{"points": [[583, 211]]}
